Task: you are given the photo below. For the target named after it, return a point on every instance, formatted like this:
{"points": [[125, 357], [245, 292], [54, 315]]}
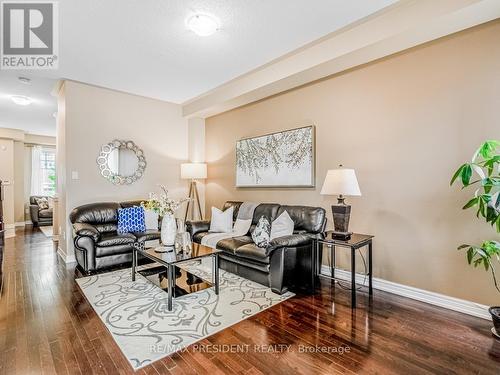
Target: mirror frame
{"points": [[102, 162]]}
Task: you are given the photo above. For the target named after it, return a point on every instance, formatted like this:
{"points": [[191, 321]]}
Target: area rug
{"points": [[48, 231], [136, 315]]}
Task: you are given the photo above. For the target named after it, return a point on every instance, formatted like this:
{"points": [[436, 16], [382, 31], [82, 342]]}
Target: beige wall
{"points": [[94, 116], [404, 123], [7, 176], [19, 183]]}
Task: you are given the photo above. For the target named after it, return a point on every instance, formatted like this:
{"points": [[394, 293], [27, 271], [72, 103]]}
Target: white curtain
{"points": [[36, 173]]}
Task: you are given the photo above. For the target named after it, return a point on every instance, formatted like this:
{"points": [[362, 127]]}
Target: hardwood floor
{"points": [[47, 326]]}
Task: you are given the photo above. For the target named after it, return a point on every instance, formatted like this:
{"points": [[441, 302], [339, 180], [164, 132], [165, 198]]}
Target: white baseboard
{"points": [[28, 222], [441, 300], [66, 258], [20, 224], [10, 230]]}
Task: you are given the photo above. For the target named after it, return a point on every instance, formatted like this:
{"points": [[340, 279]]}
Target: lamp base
{"points": [[341, 235], [341, 214]]}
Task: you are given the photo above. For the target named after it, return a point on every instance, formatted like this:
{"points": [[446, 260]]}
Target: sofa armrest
{"points": [[84, 229], [194, 227], [294, 240], [34, 213]]}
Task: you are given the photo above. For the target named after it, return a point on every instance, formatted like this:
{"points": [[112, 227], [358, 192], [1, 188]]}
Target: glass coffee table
{"points": [[167, 262]]}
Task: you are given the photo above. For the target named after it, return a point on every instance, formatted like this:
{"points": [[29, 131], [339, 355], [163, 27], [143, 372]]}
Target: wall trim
{"points": [[10, 230], [20, 224], [66, 259], [437, 299]]}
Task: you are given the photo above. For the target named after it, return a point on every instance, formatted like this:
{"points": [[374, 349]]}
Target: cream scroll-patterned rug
{"points": [[136, 315]]}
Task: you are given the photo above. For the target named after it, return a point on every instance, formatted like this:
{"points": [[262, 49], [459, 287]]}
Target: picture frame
{"points": [[283, 159]]}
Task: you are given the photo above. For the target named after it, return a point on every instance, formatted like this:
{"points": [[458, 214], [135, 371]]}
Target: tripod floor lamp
{"points": [[193, 172]]}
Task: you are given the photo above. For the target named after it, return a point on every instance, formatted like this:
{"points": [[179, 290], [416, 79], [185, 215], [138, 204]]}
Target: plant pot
{"points": [[168, 230], [495, 316]]}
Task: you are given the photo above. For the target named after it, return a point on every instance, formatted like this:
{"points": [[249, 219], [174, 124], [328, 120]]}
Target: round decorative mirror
{"points": [[121, 162]]}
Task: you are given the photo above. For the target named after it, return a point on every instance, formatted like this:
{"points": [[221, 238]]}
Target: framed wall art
{"points": [[282, 159]]}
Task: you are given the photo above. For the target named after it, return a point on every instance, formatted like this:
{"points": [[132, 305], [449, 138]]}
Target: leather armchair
{"points": [[38, 216], [97, 243], [286, 263]]}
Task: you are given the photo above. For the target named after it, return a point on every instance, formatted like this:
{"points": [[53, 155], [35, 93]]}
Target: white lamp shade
{"points": [[191, 171], [340, 182]]}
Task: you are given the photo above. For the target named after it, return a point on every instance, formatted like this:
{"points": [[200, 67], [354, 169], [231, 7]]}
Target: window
{"points": [[43, 171]]}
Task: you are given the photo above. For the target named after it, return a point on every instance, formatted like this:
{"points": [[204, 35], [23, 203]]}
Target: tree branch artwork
{"points": [[286, 151]]}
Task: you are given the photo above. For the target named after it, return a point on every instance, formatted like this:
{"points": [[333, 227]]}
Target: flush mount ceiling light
{"points": [[21, 100], [202, 24]]}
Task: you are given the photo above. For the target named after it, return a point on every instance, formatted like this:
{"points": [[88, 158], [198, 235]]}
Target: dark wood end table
{"points": [[355, 242]]}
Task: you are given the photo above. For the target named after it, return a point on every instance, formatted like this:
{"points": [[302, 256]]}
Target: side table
{"points": [[355, 242]]}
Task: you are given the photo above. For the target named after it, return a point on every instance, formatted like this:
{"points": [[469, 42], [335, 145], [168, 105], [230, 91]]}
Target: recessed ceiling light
{"points": [[202, 24], [24, 80], [21, 100]]}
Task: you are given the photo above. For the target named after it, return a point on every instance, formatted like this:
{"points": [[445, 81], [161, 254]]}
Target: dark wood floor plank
{"points": [[48, 327]]}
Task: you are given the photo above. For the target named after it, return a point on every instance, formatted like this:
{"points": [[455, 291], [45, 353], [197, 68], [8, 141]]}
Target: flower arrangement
{"points": [[162, 204]]}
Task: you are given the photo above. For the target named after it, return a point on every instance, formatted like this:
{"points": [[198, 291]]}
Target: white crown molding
{"points": [[404, 25], [441, 300]]}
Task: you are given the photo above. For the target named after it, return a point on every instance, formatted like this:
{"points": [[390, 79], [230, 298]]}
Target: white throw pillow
{"points": [[151, 219], [282, 226], [221, 221], [241, 227]]}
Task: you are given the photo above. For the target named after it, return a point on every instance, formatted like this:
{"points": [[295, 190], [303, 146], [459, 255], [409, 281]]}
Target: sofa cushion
{"points": [[269, 210], [198, 236], [96, 213], [262, 232], [253, 252], [43, 203], [148, 235], [45, 213], [108, 251], [236, 207], [306, 219], [230, 245], [131, 219], [113, 239]]}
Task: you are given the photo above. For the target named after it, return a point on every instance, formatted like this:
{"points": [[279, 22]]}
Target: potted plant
{"points": [[165, 207], [483, 174]]}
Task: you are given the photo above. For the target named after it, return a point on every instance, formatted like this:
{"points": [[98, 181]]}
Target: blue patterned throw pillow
{"points": [[131, 219]]}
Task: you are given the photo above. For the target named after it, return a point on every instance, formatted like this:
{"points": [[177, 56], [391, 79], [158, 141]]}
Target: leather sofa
{"points": [[286, 263], [97, 242], [40, 217]]}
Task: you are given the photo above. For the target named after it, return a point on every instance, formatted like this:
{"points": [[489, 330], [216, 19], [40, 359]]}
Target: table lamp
{"points": [[193, 172], [341, 182]]}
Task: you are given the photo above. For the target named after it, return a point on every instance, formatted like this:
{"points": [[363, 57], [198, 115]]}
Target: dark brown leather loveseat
{"points": [[286, 263], [97, 242]]}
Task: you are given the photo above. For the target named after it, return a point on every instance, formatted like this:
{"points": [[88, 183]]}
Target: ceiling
{"points": [[147, 50], [36, 118]]}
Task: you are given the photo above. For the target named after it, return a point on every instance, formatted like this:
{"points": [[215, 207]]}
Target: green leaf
{"points": [[466, 174], [486, 265], [457, 173], [470, 255], [464, 246], [471, 203]]}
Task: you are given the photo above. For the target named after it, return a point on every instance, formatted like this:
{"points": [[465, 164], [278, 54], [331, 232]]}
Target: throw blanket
{"points": [[240, 228]]}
